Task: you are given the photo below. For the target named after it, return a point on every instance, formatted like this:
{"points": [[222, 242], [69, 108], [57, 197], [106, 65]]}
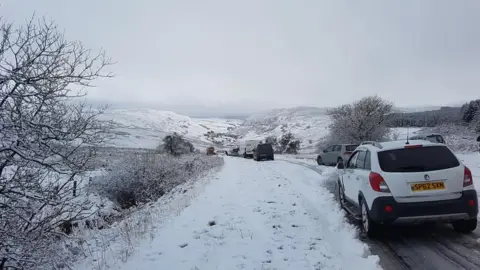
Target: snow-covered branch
{"points": [[47, 140]]}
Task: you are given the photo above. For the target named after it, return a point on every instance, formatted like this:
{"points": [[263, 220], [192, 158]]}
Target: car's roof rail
{"points": [[374, 143]]}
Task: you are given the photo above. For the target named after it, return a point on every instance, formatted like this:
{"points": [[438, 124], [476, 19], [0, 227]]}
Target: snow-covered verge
{"points": [[130, 196], [145, 177], [256, 215]]}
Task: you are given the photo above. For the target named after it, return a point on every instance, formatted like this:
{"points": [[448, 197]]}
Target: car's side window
{"points": [[352, 161], [368, 161], [329, 149], [360, 162], [337, 148]]}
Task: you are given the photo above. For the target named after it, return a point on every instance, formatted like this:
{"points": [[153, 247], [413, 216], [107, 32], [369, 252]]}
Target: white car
{"points": [[396, 182], [247, 149]]}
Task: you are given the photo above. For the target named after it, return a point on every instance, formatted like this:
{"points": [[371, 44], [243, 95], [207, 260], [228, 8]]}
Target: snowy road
{"points": [[419, 247], [258, 215]]}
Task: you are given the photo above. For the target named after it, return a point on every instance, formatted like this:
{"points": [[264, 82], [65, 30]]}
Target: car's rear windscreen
{"points": [[265, 148], [421, 159], [351, 147]]}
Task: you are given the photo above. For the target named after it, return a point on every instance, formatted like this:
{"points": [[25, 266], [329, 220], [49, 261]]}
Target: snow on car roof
{"points": [[390, 145]]}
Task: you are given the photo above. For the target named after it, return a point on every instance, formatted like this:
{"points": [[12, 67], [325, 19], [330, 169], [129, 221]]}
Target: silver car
{"points": [[335, 154], [233, 152]]}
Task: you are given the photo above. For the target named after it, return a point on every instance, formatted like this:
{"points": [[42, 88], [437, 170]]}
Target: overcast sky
{"points": [[236, 57]]}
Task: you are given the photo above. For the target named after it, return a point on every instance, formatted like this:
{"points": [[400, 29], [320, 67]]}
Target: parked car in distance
{"points": [[335, 154], [247, 149], [233, 152], [399, 182], [432, 137], [263, 151]]}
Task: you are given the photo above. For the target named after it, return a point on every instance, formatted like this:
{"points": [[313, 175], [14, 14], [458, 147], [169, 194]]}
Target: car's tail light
{"points": [[377, 182], [347, 153], [467, 177]]}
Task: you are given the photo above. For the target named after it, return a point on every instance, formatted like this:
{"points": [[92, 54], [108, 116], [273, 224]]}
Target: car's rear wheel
{"points": [[369, 227], [339, 160], [319, 161], [272, 158], [465, 226]]}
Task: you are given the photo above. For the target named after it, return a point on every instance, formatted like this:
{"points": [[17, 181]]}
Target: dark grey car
{"points": [[263, 151]]}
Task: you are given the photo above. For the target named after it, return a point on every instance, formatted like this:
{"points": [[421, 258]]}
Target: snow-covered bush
{"points": [[288, 143], [363, 120], [459, 138], [176, 145], [47, 140], [145, 177]]}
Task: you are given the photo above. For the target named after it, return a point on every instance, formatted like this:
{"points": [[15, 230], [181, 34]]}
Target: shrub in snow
{"points": [[288, 143], [271, 140], [145, 177], [363, 120], [47, 140], [176, 145]]}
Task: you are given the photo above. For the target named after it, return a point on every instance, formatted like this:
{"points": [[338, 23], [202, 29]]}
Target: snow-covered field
{"points": [[265, 215]]}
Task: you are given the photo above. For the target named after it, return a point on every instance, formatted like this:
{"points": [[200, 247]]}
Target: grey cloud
{"points": [[245, 56]]}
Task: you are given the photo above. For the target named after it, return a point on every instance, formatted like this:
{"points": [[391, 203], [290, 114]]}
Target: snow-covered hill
{"points": [[309, 124], [145, 128]]}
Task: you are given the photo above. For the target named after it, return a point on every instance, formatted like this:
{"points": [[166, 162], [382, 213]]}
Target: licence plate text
{"points": [[427, 186]]}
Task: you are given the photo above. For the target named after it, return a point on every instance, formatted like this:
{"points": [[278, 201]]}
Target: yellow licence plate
{"points": [[427, 186]]}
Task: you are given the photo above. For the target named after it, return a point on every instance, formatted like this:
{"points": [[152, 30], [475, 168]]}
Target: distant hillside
{"points": [[145, 128], [430, 118], [309, 124]]}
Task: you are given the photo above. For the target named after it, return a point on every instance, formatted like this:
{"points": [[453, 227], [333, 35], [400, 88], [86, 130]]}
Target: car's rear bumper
{"points": [[446, 210]]}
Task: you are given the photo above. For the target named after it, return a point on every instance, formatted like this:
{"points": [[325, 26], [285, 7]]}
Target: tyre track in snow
{"points": [[418, 247]]}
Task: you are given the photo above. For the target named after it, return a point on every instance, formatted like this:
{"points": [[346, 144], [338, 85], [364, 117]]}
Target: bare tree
{"points": [[363, 120], [47, 139]]}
